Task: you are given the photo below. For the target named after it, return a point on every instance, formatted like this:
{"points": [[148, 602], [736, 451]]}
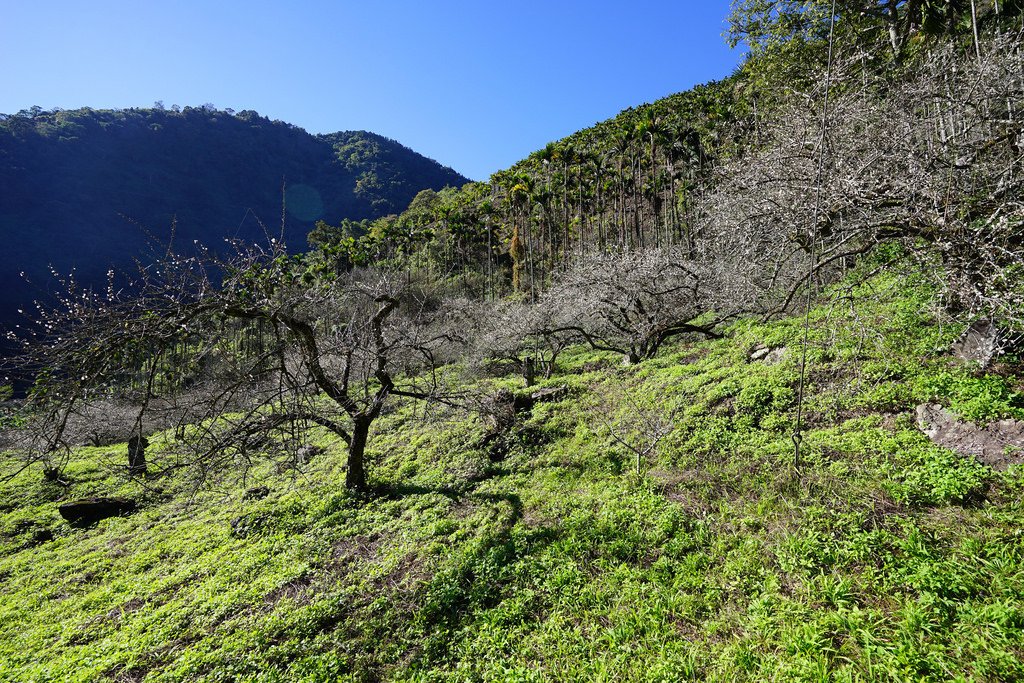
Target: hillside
{"points": [[550, 558], [90, 189], [921, 136], [729, 387]]}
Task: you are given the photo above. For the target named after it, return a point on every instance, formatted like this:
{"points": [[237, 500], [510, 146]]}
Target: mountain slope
{"points": [[760, 505], [86, 189], [887, 558]]}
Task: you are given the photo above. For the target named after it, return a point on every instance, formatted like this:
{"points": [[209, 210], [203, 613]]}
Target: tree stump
{"points": [[137, 455]]}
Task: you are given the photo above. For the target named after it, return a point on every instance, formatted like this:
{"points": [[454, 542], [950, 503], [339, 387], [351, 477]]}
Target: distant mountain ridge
{"points": [[89, 189]]}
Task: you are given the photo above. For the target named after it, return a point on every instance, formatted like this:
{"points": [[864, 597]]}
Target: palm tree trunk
{"points": [[529, 258]]}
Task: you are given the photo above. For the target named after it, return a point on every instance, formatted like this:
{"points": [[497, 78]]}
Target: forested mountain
{"points": [[919, 94], [729, 387], [91, 189]]}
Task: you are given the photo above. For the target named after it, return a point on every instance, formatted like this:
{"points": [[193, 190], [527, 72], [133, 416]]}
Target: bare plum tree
{"points": [[633, 303], [270, 344], [931, 160], [522, 334], [640, 429]]}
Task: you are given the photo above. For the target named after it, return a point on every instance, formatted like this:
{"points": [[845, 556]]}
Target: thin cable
{"points": [[812, 256]]}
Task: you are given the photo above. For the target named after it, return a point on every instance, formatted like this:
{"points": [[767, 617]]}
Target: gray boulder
{"points": [[978, 344], [307, 453], [769, 356], [998, 445]]}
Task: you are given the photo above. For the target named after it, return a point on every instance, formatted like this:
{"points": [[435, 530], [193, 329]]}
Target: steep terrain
{"points": [[659, 403], [91, 189], [550, 557]]}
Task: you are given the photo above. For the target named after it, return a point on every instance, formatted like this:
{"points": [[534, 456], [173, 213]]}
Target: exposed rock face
{"points": [[257, 493], [999, 444], [549, 394], [978, 344], [504, 405], [41, 536], [86, 512]]}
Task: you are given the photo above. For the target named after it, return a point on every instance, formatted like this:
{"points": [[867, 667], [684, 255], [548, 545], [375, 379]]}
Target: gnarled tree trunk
{"points": [[355, 477]]}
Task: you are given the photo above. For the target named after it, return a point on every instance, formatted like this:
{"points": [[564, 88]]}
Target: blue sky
{"points": [[475, 85]]}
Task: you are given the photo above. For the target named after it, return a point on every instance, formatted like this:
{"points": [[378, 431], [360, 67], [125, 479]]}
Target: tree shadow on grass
{"points": [[397, 491]]}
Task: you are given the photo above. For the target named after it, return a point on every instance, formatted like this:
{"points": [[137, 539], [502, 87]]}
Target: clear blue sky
{"points": [[475, 85]]}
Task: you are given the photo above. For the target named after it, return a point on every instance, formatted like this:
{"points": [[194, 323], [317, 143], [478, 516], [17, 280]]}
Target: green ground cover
{"points": [[887, 559]]}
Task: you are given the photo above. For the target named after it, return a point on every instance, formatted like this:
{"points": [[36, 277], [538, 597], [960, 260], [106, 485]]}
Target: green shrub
{"points": [[763, 397], [978, 399], [938, 476]]}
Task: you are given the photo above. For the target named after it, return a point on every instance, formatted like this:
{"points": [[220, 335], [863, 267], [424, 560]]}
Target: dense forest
{"points": [[95, 189], [728, 387], [698, 168]]}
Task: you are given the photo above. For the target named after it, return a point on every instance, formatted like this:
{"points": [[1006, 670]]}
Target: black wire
{"points": [[813, 256]]}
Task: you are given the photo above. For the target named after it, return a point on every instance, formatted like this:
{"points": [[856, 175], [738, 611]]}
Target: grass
{"points": [[889, 559]]}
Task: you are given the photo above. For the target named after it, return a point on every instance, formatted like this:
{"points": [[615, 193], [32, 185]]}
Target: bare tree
{"points": [[525, 335], [638, 429], [930, 159], [272, 347], [633, 303]]}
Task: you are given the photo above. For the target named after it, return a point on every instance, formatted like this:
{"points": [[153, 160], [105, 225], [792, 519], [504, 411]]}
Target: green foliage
{"points": [[980, 399], [788, 36], [933, 476], [325, 236], [761, 398], [889, 559], [198, 174], [511, 234], [537, 552]]}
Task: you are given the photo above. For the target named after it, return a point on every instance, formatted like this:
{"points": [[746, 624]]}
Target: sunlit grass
{"points": [[887, 559]]}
